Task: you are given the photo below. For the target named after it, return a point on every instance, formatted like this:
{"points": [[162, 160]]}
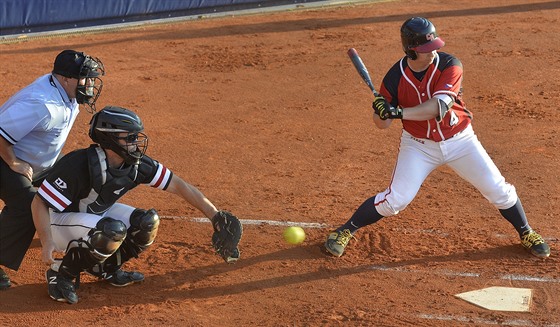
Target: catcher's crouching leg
{"points": [[102, 242], [140, 235], [227, 234]]}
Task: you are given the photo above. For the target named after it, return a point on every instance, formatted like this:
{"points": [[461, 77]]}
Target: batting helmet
{"points": [[74, 64], [107, 127], [418, 34]]}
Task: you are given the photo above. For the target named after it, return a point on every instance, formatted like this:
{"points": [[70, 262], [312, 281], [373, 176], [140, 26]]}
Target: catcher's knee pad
{"points": [[143, 227], [106, 237]]}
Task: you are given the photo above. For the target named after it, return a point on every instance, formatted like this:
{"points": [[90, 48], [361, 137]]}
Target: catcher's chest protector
{"points": [[107, 184]]}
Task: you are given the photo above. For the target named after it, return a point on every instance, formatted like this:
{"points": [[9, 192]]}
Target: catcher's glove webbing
{"points": [[227, 234]]}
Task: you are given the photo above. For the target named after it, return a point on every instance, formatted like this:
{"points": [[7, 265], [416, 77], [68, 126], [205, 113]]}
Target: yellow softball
{"points": [[294, 235]]}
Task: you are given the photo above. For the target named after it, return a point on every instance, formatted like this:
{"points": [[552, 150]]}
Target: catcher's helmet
{"points": [[418, 34], [74, 64], [107, 126]]}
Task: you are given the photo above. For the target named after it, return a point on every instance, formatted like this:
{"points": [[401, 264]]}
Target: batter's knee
{"points": [[106, 238], [388, 206], [504, 197], [143, 227]]}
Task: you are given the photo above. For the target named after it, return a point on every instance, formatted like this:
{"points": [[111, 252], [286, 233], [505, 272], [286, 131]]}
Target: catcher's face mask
{"points": [[119, 130], [134, 146]]}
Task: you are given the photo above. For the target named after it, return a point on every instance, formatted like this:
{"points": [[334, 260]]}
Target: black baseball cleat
{"points": [[233, 257], [337, 241], [61, 289], [5, 282], [121, 278], [535, 244]]}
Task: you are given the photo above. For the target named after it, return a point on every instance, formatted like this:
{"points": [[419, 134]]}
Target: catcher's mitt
{"points": [[227, 234]]}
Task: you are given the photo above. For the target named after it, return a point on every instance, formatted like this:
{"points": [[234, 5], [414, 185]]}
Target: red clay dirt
{"points": [[267, 116]]}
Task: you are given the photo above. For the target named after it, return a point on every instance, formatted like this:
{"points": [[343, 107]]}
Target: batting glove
{"points": [[384, 110]]}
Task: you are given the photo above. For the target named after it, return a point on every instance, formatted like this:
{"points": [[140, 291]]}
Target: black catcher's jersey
{"points": [[82, 181]]}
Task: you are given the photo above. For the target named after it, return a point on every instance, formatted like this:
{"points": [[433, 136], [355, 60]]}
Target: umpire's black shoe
{"points": [[61, 289], [122, 278], [5, 282]]}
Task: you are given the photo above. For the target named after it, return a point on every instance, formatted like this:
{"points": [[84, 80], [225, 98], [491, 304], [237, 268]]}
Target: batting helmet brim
{"points": [[430, 46]]}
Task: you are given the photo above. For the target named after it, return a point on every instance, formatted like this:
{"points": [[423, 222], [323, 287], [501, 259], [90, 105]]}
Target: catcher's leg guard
{"points": [[143, 227], [102, 245], [106, 238], [141, 234], [104, 241]]}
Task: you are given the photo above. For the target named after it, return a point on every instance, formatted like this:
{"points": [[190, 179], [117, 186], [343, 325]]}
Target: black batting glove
{"points": [[384, 110]]}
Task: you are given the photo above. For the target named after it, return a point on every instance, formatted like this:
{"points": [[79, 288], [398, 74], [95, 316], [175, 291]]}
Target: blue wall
{"points": [[32, 16]]}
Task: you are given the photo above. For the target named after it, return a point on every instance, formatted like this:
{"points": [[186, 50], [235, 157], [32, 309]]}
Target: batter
{"points": [[424, 91]]}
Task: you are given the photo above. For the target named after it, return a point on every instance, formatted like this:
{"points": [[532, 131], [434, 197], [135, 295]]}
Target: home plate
{"points": [[500, 298]]}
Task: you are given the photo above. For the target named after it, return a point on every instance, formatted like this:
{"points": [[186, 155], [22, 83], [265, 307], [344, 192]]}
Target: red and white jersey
{"points": [[406, 88]]}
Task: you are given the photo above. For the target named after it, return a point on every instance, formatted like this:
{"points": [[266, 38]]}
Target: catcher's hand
{"points": [[227, 234]]}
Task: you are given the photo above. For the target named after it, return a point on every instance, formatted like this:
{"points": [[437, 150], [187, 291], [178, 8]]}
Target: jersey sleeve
{"points": [[66, 181], [19, 120], [154, 173], [451, 78], [390, 86]]}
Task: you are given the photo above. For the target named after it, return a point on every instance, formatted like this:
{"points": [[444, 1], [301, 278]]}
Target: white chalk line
{"points": [[321, 225], [482, 321], [509, 277], [257, 222]]}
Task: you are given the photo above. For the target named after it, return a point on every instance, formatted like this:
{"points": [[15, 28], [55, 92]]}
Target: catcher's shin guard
{"points": [[143, 227], [106, 237], [141, 234], [103, 241]]}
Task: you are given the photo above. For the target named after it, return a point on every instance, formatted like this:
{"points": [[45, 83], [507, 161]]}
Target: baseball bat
{"points": [[362, 70]]}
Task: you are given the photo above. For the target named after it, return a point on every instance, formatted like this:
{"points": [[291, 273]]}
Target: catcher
{"points": [[76, 212]]}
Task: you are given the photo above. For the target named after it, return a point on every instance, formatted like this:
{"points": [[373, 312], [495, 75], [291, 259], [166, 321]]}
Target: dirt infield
{"points": [[267, 116]]}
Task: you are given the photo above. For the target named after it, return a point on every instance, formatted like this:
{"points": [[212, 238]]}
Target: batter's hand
{"points": [[384, 110]]}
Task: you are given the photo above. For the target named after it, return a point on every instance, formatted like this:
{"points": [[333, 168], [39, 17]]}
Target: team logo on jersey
{"points": [[60, 184]]}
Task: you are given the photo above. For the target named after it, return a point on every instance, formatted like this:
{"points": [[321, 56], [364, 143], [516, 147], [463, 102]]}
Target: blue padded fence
{"points": [[33, 16]]}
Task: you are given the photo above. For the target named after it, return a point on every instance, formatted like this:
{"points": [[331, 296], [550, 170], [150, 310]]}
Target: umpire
{"points": [[34, 125]]}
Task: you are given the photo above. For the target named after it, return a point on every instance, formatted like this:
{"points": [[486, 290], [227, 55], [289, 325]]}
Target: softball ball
{"points": [[294, 235]]}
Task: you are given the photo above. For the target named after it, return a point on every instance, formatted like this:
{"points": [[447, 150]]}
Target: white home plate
{"points": [[500, 298]]}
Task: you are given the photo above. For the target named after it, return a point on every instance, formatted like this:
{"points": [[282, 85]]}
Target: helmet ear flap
{"points": [[92, 125], [411, 54]]}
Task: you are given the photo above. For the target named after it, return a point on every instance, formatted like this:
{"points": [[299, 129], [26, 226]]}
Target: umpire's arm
{"points": [[42, 221], [7, 154], [192, 195]]}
